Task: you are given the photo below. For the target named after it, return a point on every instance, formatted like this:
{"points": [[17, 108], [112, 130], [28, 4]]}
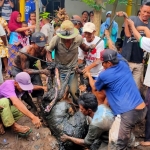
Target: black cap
{"points": [[108, 55], [39, 39]]}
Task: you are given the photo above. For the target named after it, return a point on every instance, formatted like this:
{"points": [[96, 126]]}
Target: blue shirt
{"points": [[13, 38], [114, 31], [29, 7], [121, 90]]}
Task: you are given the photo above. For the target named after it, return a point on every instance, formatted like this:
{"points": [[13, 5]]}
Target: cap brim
{"points": [[26, 87], [76, 32], [41, 44], [88, 30]]}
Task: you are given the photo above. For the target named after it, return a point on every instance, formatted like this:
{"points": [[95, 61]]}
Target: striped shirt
{"points": [[6, 10]]}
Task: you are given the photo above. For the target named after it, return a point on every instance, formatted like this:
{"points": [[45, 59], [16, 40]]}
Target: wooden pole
{"points": [[98, 17], [37, 16]]}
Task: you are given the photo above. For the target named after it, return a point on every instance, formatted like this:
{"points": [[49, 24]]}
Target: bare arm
{"points": [[91, 80], [135, 32], [7, 29], [4, 39], [18, 104], [11, 4], [74, 140], [111, 45], [1, 3], [127, 30], [92, 65], [24, 28], [80, 61], [86, 48]]}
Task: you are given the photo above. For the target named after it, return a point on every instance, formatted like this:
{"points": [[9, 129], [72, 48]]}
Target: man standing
{"points": [[7, 6], [144, 44], [102, 119], [131, 50], [114, 31], [47, 29], [123, 97], [66, 44], [91, 57]]}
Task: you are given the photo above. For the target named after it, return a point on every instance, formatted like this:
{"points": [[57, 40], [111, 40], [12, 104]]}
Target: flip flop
{"points": [[24, 134]]}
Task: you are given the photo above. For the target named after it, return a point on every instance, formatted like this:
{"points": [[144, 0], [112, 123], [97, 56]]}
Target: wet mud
{"points": [[62, 120]]}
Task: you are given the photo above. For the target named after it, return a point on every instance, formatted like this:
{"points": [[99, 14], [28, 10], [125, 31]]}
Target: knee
{"points": [[4, 102]]}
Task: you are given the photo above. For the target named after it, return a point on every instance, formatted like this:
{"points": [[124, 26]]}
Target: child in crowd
{"points": [[32, 20]]}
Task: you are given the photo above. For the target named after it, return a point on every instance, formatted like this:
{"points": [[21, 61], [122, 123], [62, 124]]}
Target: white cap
{"points": [[89, 27]]}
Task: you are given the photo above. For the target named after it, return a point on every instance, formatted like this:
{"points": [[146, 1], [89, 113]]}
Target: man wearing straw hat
{"points": [[66, 44]]}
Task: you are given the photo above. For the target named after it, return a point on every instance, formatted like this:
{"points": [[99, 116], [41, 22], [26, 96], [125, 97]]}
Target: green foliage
{"points": [[93, 4], [45, 15]]}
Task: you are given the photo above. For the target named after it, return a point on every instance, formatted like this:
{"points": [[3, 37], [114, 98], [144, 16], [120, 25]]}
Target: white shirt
{"points": [[48, 31], [91, 57], [2, 31], [145, 45]]}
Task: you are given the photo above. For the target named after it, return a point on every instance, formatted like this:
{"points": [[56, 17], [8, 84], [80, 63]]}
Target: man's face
{"points": [[89, 36], [108, 15], [18, 87], [39, 50], [106, 64], [83, 110], [145, 12]]}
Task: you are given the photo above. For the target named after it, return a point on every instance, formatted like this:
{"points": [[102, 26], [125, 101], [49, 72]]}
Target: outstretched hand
{"points": [[121, 14], [64, 138], [36, 121]]}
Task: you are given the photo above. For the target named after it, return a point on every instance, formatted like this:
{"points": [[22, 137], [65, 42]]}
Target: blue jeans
{"points": [[1, 75], [73, 84]]}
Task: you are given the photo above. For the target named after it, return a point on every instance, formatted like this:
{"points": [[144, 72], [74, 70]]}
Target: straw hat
{"points": [[67, 30]]}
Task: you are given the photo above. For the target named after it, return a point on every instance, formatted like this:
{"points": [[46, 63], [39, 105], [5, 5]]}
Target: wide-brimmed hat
{"points": [[89, 27], [39, 39], [67, 30], [24, 81]]}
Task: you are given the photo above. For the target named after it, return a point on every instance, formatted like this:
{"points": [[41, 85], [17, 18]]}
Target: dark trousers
{"points": [[147, 125], [120, 137]]}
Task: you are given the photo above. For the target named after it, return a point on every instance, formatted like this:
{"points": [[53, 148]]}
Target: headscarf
{"points": [[13, 24]]}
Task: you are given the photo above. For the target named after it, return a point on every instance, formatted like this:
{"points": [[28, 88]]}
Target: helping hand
{"points": [[130, 22], [92, 46], [86, 69], [36, 121], [87, 74], [64, 138], [107, 33]]}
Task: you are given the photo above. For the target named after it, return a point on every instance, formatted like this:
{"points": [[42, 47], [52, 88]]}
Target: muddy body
{"points": [[61, 120]]}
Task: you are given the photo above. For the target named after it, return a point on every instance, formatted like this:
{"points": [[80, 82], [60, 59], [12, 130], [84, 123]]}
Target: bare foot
{"points": [[2, 131], [19, 128], [146, 143]]}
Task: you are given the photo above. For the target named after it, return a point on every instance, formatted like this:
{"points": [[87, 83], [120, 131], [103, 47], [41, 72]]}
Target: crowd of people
{"points": [[111, 96]]}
